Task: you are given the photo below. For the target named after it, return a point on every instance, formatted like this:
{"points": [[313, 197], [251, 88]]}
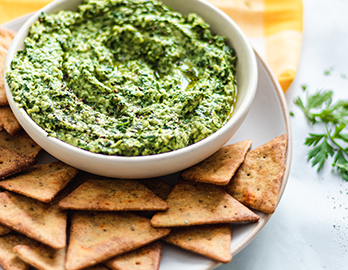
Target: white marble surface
{"points": [[309, 229]]}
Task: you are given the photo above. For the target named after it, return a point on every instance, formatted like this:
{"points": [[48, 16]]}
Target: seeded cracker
{"points": [[12, 163], [20, 143], [8, 259], [97, 267], [41, 256], [192, 203], [42, 181], [113, 195], [98, 236], [258, 180], [9, 121], [6, 37], [4, 230], [157, 186], [40, 221], [3, 98], [212, 241], [144, 258], [219, 168]]}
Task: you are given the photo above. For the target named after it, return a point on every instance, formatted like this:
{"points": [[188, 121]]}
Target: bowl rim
{"points": [[237, 115]]}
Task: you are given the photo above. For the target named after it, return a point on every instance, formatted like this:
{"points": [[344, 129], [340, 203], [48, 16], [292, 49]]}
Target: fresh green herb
{"points": [[343, 76], [292, 114], [304, 87], [327, 72], [333, 141]]}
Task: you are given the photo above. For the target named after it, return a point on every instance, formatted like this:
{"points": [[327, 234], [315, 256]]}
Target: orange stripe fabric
{"points": [[282, 15], [11, 9]]}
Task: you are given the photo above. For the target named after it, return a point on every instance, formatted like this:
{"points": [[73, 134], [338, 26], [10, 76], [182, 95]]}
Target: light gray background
{"points": [[309, 230]]}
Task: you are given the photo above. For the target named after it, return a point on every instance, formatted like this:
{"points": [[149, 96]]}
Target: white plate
{"points": [[267, 119]]}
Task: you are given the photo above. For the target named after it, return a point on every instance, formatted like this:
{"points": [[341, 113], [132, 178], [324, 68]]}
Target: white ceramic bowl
{"points": [[165, 163]]}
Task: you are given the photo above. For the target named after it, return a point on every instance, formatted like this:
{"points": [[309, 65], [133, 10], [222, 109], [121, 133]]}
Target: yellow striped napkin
{"points": [[273, 27]]}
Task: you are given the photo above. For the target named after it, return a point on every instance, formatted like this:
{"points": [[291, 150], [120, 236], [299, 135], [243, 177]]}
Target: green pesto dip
{"points": [[125, 77]]}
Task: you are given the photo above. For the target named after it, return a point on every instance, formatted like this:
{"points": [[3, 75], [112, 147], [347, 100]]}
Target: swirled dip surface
{"points": [[123, 77]]}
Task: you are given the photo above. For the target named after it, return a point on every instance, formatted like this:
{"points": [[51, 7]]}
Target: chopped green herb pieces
{"points": [[328, 71]]}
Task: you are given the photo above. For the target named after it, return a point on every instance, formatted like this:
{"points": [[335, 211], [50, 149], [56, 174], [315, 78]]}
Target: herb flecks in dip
{"points": [[125, 77]]}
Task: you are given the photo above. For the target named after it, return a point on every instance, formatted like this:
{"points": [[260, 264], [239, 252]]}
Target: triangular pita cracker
{"points": [[41, 256], [12, 163], [41, 182], [3, 97], [193, 203], [99, 266], [98, 236], [79, 179], [8, 259], [219, 168], [157, 186], [258, 180], [212, 241], [4, 229], [6, 37], [9, 121], [20, 143], [113, 195], [45, 223], [144, 258]]}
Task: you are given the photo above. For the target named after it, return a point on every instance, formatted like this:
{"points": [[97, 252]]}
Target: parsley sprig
{"points": [[334, 141]]}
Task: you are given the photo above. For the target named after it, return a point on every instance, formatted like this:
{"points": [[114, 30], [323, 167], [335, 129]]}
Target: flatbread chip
{"points": [[258, 180], [113, 195], [12, 163], [97, 267], [3, 97], [79, 179], [212, 241], [8, 259], [6, 37], [45, 223], [4, 230], [157, 186], [41, 256], [20, 143], [219, 168], [9, 121], [98, 236], [144, 258], [193, 203], [41, 182]]}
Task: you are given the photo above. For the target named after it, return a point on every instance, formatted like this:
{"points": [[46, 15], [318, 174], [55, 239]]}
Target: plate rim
{"points": [[288, 157]]}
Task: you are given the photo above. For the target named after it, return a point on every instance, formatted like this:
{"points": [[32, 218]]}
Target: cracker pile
{"points": [[54, 217]]}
